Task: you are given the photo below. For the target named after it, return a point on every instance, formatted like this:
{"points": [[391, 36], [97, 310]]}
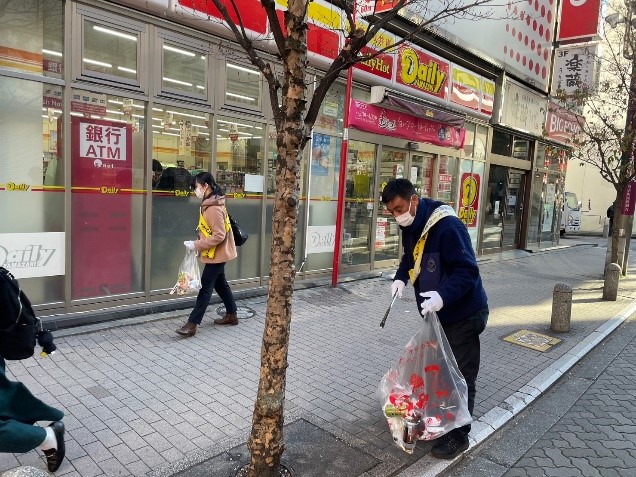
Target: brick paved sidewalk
{"points": [[140, 400]]}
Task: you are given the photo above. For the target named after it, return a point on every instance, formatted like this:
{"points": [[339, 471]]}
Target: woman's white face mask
{"points": [[406, 218], [199, 192]]}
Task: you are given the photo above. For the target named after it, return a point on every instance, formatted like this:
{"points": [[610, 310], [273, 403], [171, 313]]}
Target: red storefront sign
{"points": [[321, 41], [562, 125], [251, 13], [469, 206], [381, 65], [629, 199], [423, 72], [375, 119], [101, 166], [579, 19]]}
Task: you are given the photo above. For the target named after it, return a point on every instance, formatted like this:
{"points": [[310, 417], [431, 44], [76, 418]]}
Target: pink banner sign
{"points": [[387, 122]]}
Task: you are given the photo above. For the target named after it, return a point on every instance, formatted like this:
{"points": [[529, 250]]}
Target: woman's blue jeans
{"points": [[213, 277]]}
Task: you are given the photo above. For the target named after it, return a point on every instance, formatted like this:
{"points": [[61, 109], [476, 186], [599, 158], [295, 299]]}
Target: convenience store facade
{"points": [[132, 99]]}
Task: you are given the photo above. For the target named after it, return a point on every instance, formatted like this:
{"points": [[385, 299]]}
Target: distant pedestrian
{"points": [[442, 266], [610, 216], [215, 247]]}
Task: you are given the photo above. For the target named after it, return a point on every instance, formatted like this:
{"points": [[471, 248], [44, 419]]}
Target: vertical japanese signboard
{"points": [[575, 68], [101, 207]]}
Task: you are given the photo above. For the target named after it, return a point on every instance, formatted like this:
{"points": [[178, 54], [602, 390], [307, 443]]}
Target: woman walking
{"points": [[215, 246]]}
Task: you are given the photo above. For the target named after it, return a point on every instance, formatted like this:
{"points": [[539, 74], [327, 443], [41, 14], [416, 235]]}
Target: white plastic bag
{"points": [[424, 396], [189, 279]]}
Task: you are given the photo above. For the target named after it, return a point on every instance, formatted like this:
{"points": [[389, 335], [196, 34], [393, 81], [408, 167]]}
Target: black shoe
{"points": [[54, 457], [449, 446]]}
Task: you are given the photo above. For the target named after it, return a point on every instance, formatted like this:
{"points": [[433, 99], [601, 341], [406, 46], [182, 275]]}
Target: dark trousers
{"points": [[213, 276], [463, 338]]}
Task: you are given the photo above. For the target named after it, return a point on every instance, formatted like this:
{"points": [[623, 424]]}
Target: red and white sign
{"points": [[469, 206], [365, 8], [579, 19], [101, 176], [251, 14], [562, 125], [422, 71], [375, 119]]}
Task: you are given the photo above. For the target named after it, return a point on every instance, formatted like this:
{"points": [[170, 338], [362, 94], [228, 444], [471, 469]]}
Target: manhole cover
{"points": [[532, 340], [242, 312]]}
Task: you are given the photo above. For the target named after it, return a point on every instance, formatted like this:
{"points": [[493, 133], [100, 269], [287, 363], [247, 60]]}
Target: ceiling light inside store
{"points": [[114, 33], [177, 50], [241, 68], [169, 134], [51, 52], [77, 114], [127, 70], [240, 96], [157, 109], [157, 126], [188, 115], [115, 101], [200, 87], [97, 63], [175, 81], [110, 111], [137, 116], [203, 133], [236, 124]]}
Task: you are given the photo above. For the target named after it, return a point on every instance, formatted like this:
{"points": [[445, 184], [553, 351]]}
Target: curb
{"points": [[484, 427]]}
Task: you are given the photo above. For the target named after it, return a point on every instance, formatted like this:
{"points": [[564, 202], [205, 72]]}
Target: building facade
{"points": [[108, 109]]}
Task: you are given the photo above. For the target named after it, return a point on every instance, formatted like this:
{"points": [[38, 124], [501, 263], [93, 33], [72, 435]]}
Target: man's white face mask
{"points": [[406, 218]]}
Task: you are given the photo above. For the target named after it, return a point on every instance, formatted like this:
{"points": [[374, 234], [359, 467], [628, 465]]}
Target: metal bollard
{"points": [[610, 286], [561, 308]]}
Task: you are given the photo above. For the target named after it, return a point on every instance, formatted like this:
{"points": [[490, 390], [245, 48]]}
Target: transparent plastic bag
{"points": [[424, 396], [189, 279]]}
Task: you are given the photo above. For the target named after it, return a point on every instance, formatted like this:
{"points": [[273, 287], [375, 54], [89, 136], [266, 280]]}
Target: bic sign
{"points": [[579, 19], [102, 142]]}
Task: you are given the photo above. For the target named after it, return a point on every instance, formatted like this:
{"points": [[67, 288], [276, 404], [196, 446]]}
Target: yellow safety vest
{"points": [[206, 231]]}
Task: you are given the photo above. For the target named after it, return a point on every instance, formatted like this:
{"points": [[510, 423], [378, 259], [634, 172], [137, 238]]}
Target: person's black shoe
{"points": [[54, 457], [449, 446]]}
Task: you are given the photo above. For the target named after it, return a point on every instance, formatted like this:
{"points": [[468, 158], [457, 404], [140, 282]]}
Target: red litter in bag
{"points": [[424, 396]]}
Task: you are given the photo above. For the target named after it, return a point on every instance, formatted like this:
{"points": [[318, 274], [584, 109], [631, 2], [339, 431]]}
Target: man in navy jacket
{"points": [[448, 283]]}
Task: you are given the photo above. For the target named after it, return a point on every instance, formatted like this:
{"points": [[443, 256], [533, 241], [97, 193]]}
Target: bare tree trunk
{"points": [[266, 443]]}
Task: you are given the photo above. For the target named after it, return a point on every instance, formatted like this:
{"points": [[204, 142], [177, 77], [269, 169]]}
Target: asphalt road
{"points": [[584, 426]]}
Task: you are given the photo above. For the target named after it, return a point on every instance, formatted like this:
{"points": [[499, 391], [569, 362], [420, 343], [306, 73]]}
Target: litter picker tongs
{"points": [[386, 315]]}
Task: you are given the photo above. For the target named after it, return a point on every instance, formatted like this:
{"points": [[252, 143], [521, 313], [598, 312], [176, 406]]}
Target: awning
{"points": [[391, 100]]}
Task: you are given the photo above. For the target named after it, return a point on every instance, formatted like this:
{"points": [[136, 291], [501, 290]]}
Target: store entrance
{"points": [[502, 229]]}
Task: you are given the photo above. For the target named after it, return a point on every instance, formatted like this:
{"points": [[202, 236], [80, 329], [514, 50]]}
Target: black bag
{"points": [[18, 324], [240, 236]]}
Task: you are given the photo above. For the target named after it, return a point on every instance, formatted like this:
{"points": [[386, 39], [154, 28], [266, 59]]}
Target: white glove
{"points": [[189, 244], [432, 302], [397, 287]]}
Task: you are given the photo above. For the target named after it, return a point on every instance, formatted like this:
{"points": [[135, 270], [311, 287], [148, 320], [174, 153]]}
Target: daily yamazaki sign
{"points": [[423, 71]]}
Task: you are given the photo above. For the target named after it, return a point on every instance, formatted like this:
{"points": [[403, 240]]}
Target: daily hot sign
{"points": [[423, 72]]}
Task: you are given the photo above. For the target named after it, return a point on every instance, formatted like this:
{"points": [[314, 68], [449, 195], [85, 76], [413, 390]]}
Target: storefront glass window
{"points": [[330, 117], [110, 52], [521, 149], [272, 154], [423, 180], [360, 197], [181, 148], [469, 142], [481, 139], [387, 236], [447, 180], [242, 85], [240, 152], [324, 173], [107, 206], [31, 36], [183, 70], [501, 143], [32, 187]]}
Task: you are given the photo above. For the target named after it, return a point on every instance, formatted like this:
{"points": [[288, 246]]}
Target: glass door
{"points": [[393, 163], [359, 204], [513, 210]]}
